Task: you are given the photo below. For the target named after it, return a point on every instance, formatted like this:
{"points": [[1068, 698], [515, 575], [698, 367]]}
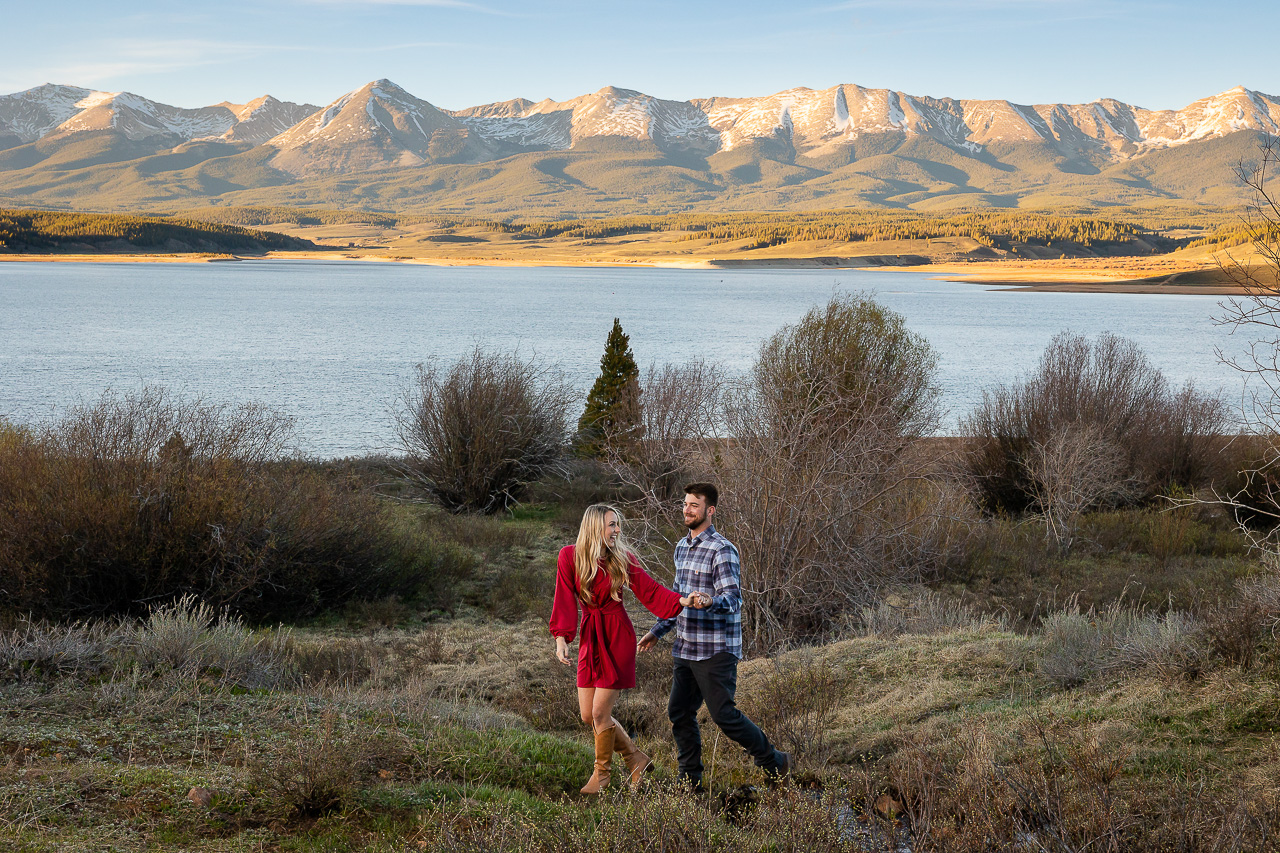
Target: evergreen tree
{"points": [[612, 414]]}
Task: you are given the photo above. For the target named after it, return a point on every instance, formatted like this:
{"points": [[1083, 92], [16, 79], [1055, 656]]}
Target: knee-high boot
{"points": [[637, 762], [604, 757]]}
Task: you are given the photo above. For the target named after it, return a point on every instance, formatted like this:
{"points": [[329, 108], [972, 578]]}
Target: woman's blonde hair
{"points": [[590, 551]]}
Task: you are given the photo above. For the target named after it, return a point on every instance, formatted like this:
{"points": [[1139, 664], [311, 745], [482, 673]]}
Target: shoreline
{"points": [[1121, 275]]}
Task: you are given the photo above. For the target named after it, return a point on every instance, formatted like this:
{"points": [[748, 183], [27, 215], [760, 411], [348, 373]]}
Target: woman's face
{"points": [[611, 528]]}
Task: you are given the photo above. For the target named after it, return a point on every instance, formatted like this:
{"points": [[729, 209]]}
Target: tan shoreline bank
{"points": [[1163, 275]]}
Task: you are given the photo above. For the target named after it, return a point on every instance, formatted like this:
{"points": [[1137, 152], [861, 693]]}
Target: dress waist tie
{"points": [[599, 663]]}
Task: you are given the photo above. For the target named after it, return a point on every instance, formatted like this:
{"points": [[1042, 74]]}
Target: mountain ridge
{"points": [[616, 149]]}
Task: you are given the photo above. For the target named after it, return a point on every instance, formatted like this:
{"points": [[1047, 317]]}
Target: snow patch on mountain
{"points": [[31, 114]]}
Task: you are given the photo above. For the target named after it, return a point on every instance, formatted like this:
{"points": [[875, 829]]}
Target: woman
{"points": [[593, 573]]}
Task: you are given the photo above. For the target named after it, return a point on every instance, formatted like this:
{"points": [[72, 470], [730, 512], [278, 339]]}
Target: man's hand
{"points": [[701, 601], [647, 642], [562, 651]]}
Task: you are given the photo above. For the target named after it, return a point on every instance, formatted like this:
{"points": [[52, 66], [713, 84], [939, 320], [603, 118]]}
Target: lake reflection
{"points": [[332, 342]]}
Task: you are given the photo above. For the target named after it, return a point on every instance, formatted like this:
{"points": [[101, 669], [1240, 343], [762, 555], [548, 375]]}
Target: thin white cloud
{"points": [[960, 6], [149, 57], [441, 4]]}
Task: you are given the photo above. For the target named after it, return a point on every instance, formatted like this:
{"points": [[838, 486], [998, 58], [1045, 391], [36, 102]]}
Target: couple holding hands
{"points": [[705, 608]]}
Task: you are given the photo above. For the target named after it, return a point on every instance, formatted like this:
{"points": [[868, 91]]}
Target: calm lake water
{"points": [[332, 343]]}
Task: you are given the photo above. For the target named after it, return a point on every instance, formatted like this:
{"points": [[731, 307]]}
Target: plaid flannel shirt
{"points": [[709, 564]]}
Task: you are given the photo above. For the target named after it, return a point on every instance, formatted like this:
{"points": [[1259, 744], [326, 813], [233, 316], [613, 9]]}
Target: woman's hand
{"points": [[696, 600], [562, 651]]}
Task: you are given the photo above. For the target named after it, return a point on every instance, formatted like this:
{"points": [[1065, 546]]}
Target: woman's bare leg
{"points": [[602, 707], [586, 698], [595, 704]]}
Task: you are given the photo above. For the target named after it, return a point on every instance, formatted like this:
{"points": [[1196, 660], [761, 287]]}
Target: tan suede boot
{"points": [[604, 757], [637, 762]]}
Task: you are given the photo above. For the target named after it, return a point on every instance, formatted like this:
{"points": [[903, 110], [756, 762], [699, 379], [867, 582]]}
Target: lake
{"points": [[331, 343]]}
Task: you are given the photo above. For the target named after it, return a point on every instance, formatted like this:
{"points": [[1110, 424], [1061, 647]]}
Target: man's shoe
{"points": [[604, 757], [692, 783], [785, 764], [637, 762]]}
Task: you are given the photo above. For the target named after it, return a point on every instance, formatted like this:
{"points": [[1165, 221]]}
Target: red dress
{"points": [[607, 653]]}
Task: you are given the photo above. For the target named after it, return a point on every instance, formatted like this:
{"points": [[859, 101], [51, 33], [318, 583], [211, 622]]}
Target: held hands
{"points": [[696, 600], [562, 651]]}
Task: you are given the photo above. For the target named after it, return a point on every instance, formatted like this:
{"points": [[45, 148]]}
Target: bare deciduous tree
{"points": [[1168, 437], [679, 421], [1256, 501], [822, 485]]}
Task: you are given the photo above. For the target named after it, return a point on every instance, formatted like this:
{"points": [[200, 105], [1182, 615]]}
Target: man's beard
{"points": [[697, 521]]}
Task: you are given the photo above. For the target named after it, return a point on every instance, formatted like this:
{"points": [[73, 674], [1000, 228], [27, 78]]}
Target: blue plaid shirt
{"points": [[707, 563]]}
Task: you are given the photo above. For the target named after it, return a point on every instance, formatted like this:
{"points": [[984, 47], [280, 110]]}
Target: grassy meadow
{"points": [[1022, 693]]}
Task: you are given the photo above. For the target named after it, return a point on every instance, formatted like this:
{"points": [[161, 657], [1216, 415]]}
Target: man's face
{"points": [[695, 511]]}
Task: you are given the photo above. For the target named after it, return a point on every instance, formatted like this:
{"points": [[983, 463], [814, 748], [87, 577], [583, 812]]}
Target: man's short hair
{"points": [[707, 491]]}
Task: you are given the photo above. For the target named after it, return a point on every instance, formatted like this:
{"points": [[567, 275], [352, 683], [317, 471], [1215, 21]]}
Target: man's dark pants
{"points": [[714, 681]]}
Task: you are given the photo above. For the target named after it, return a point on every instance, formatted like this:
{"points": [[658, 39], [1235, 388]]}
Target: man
{"points": [[708, 642]]}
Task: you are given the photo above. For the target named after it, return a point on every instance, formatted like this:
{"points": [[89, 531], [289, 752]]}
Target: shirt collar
{"points": [[701, 537]]}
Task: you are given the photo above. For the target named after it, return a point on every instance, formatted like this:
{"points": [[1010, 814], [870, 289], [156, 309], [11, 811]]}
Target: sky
{"points": [[458, 53]]}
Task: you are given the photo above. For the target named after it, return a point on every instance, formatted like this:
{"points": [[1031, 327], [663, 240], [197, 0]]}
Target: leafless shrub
{"points": [[824, 488], [479, 431], [1233, 630], [143, 497], [1105, 387], [1076, 469], [321, 767], [1256, 314], [681, 405]]}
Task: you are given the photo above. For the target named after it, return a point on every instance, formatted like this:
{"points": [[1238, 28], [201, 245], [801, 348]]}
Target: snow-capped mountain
{"points": [[843, 146], [27, 116], [135, 117], [815, 121], [380, 125], [263, 118], [63, 111], [608, 112], [377, 126]]}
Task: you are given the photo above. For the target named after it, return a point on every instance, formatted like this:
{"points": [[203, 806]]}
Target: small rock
{"points": [[887, 807], [202, 797]]}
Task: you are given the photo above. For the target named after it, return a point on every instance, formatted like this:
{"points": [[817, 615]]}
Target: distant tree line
{"points": [[40, 230], [993, 228]]}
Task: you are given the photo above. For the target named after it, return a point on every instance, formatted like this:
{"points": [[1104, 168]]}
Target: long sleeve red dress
{"points": [[607, 653]]}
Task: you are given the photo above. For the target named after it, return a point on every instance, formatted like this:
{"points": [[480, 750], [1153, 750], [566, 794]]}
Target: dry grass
{"points": [[464, 736]]}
